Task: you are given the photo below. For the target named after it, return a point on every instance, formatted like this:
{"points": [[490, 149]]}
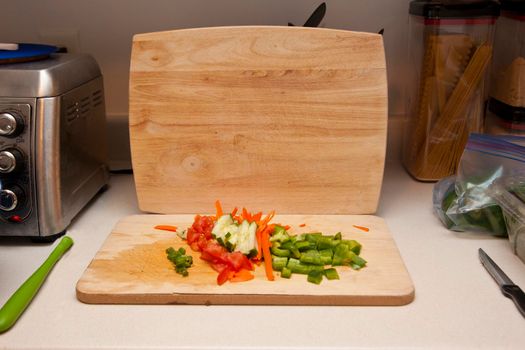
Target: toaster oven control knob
{"points": [[10, 160], [10, 124], [11, 198]]}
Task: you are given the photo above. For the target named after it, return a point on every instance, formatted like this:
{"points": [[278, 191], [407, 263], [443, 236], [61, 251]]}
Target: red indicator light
{"points": [[15, 218]]}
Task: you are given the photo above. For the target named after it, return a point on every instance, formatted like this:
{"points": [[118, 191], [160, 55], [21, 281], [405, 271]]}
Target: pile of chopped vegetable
{"points": [[310, 253], [234, 243], [181, 261]]}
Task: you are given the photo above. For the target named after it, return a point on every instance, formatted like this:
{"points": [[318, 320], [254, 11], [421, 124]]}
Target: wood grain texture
{"points": [[131, 268], [285, 118]]}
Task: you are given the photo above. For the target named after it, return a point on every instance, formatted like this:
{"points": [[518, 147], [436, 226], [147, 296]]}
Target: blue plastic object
{"points": [[27, 51]]}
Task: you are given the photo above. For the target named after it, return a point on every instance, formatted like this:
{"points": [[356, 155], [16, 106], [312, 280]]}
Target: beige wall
{"points": [[104, 28]]}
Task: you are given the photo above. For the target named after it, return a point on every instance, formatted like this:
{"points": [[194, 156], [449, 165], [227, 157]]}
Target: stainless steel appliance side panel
{"points": [[72, 159], [25, 142]]}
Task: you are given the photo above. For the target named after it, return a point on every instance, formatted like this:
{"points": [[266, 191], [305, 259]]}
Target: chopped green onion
{"points": [[181, 261], [252, 253]]}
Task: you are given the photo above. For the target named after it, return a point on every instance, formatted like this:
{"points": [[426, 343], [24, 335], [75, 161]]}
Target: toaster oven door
{"points": [[18, 209]]}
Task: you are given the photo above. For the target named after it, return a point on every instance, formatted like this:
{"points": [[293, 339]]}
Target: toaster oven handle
{"points": [[18, 302]]}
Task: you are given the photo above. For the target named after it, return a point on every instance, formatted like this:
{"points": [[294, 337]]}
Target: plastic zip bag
{"points": [[509, 193], [462, 202]]}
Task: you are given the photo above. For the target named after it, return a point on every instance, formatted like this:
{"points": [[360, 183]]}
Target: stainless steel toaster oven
{"points": [[52, 143]]}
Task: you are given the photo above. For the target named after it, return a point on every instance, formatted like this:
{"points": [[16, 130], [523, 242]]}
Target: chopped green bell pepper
{"points": [[315, 276], [331, 274]]}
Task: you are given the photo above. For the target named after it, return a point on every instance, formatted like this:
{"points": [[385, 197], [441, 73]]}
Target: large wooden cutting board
{"points": [[131, 267], [285, 118]]}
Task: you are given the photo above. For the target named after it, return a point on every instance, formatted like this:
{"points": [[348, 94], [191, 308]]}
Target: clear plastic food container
{"points": [[509, 193], [450, 49], [506, 106]]}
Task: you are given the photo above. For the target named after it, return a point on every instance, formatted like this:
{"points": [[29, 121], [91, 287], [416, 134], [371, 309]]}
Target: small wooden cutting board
{"points": [[131, 268]]}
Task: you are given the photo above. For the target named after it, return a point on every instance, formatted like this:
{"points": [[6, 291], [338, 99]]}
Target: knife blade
{"points": [[316, 17], [507, 287]]}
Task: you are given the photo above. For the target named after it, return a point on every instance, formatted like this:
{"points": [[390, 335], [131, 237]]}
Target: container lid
{"points": [[437, 9], [509, 114], [514, 7]]}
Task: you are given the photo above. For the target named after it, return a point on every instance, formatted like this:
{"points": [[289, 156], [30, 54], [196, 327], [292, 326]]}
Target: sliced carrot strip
{"points": [[266, 254], [268, 217], [257, 217], [245, 214], [218, 208], [302, 225], [234, 211], [166, 228], [366, 229]]}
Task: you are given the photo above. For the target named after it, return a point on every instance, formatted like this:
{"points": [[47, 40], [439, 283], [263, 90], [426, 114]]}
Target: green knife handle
{"points": [[515, 293], [18, 302]]}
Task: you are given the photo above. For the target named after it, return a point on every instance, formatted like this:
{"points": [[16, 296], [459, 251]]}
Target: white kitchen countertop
{"points": [[457, 304]]}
